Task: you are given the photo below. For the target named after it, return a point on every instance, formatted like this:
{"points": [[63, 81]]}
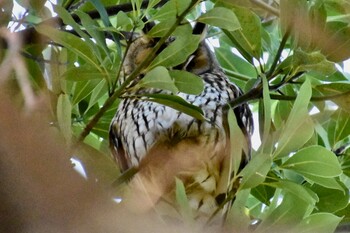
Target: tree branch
{"points": [[254, 93], [313, 98]]}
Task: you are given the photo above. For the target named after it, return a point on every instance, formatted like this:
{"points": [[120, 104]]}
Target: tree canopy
{"points": [[288, 56]]}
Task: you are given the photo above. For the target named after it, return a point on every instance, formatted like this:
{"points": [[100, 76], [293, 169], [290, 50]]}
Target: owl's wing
{"points": [[117, 148]]}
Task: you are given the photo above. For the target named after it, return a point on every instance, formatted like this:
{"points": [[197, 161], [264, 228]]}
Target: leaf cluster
{"points": [[289, 57]]}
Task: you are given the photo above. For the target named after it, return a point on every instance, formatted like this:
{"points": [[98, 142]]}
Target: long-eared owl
{"points": [[163, 142]]}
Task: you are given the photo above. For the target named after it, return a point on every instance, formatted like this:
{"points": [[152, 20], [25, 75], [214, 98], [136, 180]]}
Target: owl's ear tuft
{"points": [[148, 25], [199, 28]]}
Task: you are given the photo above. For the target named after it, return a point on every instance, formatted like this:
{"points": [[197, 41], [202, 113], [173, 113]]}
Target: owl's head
{"points": [[203, 59], [199, 62]]}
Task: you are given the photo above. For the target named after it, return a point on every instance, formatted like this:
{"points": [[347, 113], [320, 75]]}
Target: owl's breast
{"points": [[142, 123]]}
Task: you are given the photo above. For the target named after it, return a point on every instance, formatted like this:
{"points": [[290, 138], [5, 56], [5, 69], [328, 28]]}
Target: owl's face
{"points": [[200, 62]]}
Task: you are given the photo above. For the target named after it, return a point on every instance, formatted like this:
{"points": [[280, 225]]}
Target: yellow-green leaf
{"points": [[220, 17], [315, 161], [187, 82], [159, 78]]}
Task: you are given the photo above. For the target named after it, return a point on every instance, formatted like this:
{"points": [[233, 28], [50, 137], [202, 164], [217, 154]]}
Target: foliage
{"points": [[289, 59]]}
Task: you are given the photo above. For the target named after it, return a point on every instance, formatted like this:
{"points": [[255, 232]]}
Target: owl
{"points": [[163, 143]]}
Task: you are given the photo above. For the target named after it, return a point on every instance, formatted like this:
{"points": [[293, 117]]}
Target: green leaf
{"points": [[123, 20], [83, 73], [331, 183], [265, 115], [220, 17], [158, 78], [282, 112], [187, 82], [234, 42], [337, 88], [102, 11], [178, 51], [68, 20], [315, 161], [35, 73], [100, 7], [233, 63], [263, 193], [171, 9], [71, 42], [299, 126], [92, 27], [176, 103], [319, 222], [238, 143], [101, 129], [290, 212], [256, 170], [250, 34], [345, 163], [237, 218], [64, 112], [83, 89], [313, 61], [247, 40], [99, 91], [331, 200], [160, 29], [298, 190], [181, 199], [345, 213], [342, 128]]}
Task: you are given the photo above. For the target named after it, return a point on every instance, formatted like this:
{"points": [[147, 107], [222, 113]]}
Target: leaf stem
{"points": [[270, 73]]}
